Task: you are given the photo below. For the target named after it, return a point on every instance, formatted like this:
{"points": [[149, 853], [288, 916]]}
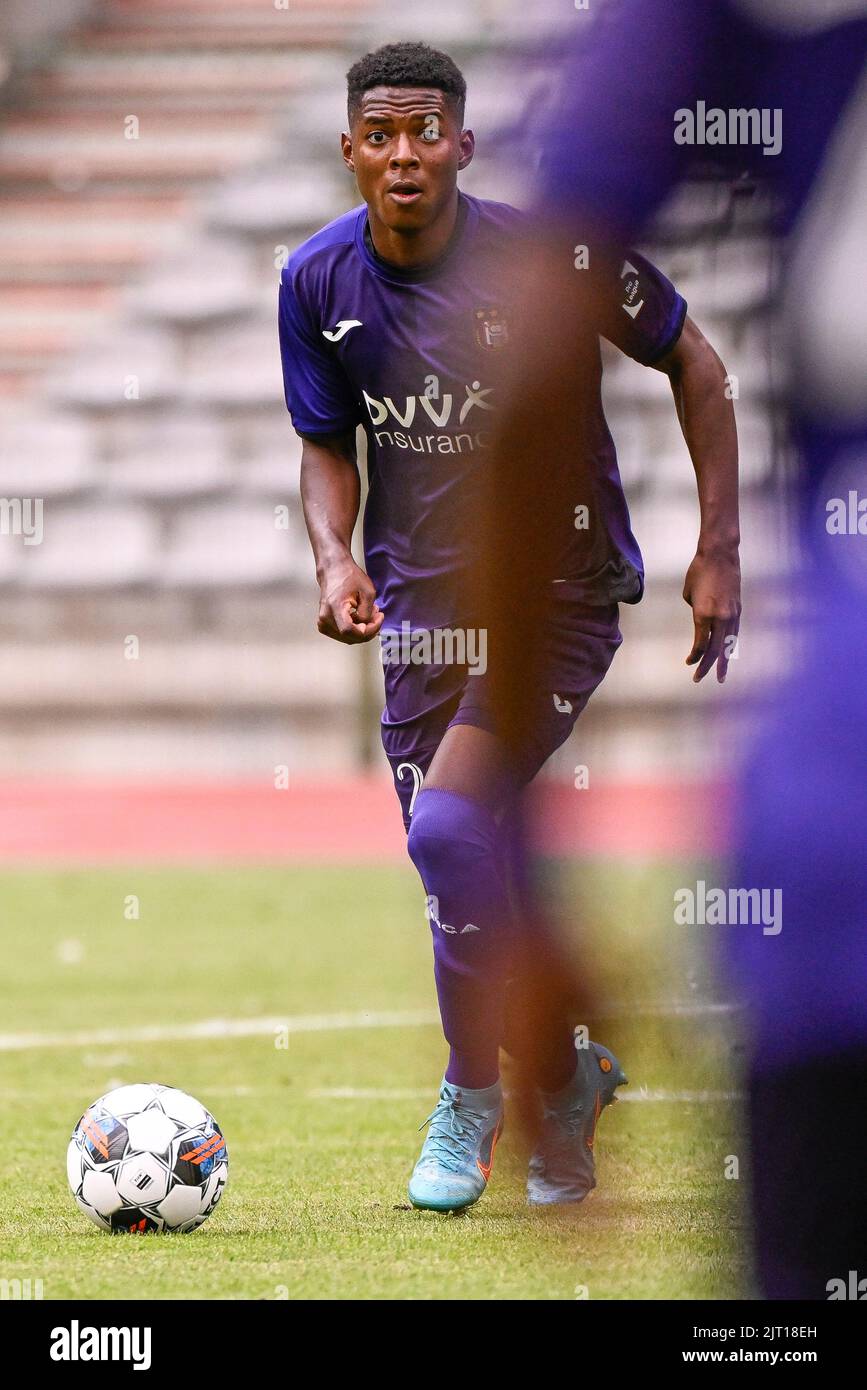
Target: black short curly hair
{"points": [[405, 65]]}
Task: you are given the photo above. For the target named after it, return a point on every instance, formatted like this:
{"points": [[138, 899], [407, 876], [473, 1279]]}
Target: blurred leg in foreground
{"points": [[802, 827]]}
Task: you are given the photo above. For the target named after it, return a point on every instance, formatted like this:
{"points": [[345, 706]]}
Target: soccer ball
{"points": [[147, 1158]]}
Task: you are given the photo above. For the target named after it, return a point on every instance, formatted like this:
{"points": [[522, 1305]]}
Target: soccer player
{"points": [[397, 316]]}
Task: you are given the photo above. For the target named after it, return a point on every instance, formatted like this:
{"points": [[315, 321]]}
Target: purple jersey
{"points": [[412, 355]]}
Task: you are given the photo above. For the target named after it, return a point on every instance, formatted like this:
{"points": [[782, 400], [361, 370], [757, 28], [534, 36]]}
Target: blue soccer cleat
{"points": [[561, 1167], [457, 1156]]}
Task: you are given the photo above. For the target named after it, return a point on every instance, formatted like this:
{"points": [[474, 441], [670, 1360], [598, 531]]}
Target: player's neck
{"points": [[416, 249]]}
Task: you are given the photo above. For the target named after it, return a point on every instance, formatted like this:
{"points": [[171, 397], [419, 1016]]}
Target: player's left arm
{"points": [[713, 581]]}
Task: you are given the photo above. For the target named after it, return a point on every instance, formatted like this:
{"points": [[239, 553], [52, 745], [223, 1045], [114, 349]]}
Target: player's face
{"points": [[405, 148]]}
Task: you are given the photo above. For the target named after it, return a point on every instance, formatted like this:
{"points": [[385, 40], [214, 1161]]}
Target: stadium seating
{"points": [[155, 167]]}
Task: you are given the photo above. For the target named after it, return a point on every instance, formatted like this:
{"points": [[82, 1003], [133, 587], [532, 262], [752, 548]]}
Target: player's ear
{"points": [[467, 148], [346, 151]]}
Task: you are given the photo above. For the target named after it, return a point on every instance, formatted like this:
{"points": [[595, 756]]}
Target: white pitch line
{"points": [[375, 1093], [309, 1023], [681, 1097], [701, 1009], [371, 1093], [221, 1028]]}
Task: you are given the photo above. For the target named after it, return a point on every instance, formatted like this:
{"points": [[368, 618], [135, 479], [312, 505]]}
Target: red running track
{"points": [[321, 822]]}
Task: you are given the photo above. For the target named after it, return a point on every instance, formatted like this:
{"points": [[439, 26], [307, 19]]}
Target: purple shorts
{"points": [[422, 701]]}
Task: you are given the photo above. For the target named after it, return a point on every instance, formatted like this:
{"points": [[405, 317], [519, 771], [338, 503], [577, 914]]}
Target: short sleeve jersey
{"points": [[411, 356]]}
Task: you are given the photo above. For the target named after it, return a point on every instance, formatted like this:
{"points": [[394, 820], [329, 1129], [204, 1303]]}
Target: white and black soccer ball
{"points": [[147, 1158]]}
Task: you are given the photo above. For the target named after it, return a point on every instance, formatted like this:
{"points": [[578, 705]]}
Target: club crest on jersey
{"points": [[492, 331]]}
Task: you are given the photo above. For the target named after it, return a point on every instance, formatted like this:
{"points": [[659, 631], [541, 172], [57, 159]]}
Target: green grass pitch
{"points": [[315, 1206]]}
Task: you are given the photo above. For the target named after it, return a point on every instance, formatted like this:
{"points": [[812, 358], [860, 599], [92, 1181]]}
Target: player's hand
{"points": [[713, 590], [347, 606]]}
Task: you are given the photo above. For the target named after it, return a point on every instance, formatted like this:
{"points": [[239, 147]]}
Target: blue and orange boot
{"points": [[457, 1156], [562, 1167]]}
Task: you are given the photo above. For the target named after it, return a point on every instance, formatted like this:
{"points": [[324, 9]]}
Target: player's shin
{"points": [[453, 842]]}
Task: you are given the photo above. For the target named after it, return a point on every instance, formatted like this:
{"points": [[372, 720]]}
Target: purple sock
{"points": [[453, 843], [473, 1071]]}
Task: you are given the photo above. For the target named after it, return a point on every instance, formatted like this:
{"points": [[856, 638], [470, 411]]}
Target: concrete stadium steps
{"points": [[730, 279], [199, 79], [206, 280], [55, 238], [83, 209], [742, 343], [43, 319], [653, 459], [226, 24], [158, 614], [39, 324], [160, 367], [119, 365], [63, 261], [309, 127], [231, 545], [75, 151], [46, 456], [290, 671], [250, 455], [218, 371], [192, 674], [272, 474], [148, 470], [285, 202], [208, 545], [324, 22], [134, 453], [704, 208], [666, 528], [91, 545]]}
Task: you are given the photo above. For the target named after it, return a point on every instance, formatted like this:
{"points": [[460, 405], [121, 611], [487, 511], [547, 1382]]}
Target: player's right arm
{"points": [[325, 413], [330, 494]]}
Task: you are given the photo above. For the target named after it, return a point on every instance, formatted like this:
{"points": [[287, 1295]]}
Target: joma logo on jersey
{"points": [[334, 335], [439, 411]]}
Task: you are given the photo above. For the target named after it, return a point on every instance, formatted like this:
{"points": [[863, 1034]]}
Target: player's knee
{"points": [[454, 845], [449, 834]]}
